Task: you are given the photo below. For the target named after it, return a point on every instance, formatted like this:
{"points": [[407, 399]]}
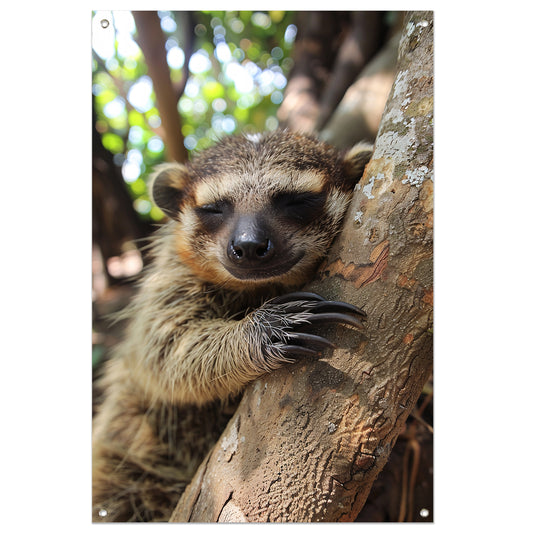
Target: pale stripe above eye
{"points": [[261, 183]]}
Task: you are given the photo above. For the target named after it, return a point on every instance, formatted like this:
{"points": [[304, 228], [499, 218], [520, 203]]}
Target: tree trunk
{"points": [[308, 440]]}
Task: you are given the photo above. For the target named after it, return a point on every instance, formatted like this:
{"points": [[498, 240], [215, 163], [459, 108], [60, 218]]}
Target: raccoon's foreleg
{"points": [[217, 358]]}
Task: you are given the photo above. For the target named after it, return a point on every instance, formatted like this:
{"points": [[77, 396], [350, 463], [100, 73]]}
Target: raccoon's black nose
{"points": [[249, 244], [249, 250]]}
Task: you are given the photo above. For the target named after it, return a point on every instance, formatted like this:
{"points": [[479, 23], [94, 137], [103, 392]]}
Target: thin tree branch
{"points": [[362, 41], [358, 115], [319, 36], [152, 42]]}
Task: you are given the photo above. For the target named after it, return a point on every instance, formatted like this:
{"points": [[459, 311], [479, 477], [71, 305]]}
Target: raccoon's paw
{"points": [[283, 318]]}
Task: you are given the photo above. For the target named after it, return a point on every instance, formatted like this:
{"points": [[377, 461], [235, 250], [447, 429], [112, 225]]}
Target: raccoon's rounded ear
{"points": [[355, 161], [168, 184]]}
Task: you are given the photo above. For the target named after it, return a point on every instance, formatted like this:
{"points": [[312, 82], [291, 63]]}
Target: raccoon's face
{"points": [[256, 211]]}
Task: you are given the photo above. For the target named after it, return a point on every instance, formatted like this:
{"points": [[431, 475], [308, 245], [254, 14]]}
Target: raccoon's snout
{"points": [[250, 244], [251, 250]]}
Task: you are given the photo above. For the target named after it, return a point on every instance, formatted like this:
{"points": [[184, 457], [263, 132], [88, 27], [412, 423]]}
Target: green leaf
{"points": [[113, 142], [136, 119], [138, 187], [212, 90]]}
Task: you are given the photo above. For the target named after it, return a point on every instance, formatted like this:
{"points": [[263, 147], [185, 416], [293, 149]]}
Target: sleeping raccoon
{"points": [[250, 219]]}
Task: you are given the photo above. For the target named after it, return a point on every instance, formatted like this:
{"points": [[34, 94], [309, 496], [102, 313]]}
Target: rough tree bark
{"points": [[308, 440]]}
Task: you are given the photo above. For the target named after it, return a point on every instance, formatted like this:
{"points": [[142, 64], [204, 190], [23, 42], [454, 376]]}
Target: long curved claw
{"points": [[338, 307], [316, 340], [309, 301], [328, 318], [291, 296], [292, 349]]}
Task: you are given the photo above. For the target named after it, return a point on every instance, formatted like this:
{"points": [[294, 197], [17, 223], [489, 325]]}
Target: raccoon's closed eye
{"points": [[212, 216], [216, 208], [300, 205], [303, 200]]}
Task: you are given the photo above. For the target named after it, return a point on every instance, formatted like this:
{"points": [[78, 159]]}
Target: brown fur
{"points": [[197, 334]]}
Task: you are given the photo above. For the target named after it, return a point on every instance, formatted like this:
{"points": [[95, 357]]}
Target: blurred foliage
{"points": [[237, 74]]}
